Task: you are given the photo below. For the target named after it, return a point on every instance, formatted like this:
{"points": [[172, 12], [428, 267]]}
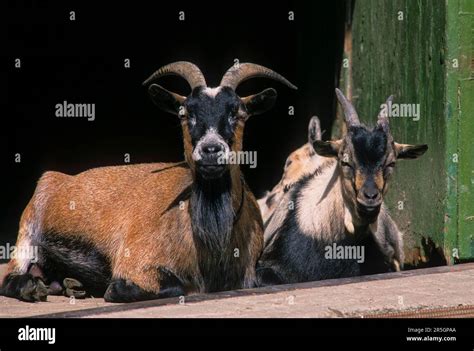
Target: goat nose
{"points": [[212, 148], [371, 194]]}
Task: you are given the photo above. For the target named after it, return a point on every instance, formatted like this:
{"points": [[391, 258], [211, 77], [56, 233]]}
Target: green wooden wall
{"points": [[460, 98], [422, 52]]}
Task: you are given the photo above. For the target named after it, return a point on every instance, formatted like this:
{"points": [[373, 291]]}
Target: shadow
{"points": [[428, 255]]}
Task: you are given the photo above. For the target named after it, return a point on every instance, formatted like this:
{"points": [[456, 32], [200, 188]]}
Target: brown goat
{"points": [[152, 230]]}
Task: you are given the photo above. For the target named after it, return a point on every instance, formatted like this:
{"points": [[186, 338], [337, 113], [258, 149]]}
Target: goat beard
{"points": [[212, 213]]}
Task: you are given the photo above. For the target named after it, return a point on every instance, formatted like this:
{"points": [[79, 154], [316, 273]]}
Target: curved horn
{"points": [[350, 113], [243, 71], [186, 70], [382, 119]]}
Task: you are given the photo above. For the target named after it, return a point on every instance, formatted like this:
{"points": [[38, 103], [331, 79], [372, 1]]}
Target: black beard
{"points": [[212, 213]]}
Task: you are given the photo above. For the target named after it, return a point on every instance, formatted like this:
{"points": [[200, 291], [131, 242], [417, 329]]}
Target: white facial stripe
{"points": [[211, 136], [212, 92]]}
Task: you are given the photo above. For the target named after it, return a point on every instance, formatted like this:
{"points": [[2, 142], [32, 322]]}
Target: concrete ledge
{"points": [[432, 289]]}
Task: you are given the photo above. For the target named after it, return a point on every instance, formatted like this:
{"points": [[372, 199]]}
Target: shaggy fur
{"points": [[340, 203], [300, 162]]}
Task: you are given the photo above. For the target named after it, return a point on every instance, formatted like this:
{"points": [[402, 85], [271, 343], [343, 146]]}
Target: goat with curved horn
{"points": [[351, 182], [244, 71], [184, 69], [139, 208]]}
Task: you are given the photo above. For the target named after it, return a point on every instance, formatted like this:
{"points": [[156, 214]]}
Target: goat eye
{"points": [[390, 165]]}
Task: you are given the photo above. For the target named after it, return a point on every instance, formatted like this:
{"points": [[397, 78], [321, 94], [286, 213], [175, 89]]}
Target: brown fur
{"points": [[179, 225], [124, 211]]}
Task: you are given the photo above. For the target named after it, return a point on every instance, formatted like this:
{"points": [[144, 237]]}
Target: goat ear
{"points": [[165, 99], [327, 148], [261, 102], [410, 151], [314, 130]]}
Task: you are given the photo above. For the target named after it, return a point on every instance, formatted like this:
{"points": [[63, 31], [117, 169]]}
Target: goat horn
{"points": [[350, 113], [186, 70], [382, 119], [243, 71]]}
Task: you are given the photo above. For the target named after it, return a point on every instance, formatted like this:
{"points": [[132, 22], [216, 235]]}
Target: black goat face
{"points": [[366, 159], [213, 120], [211, 117]]}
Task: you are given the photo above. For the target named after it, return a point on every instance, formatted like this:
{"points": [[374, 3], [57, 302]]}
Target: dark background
{"points": [[82, 61]]}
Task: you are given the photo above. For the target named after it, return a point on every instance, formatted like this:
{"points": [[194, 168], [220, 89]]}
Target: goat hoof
{"points": [[74, 288], [121, 290], [396, 266], [33, 290]]}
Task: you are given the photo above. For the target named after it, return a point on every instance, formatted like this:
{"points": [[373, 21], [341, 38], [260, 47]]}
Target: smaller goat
{"points": [[300, 162], [339, 206]]}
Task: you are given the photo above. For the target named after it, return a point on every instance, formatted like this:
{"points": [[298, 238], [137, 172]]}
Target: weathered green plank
{"points": [[423, 52], [400, 47], [460, 38], [466, 172], [465, 78], [452, 127]]}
